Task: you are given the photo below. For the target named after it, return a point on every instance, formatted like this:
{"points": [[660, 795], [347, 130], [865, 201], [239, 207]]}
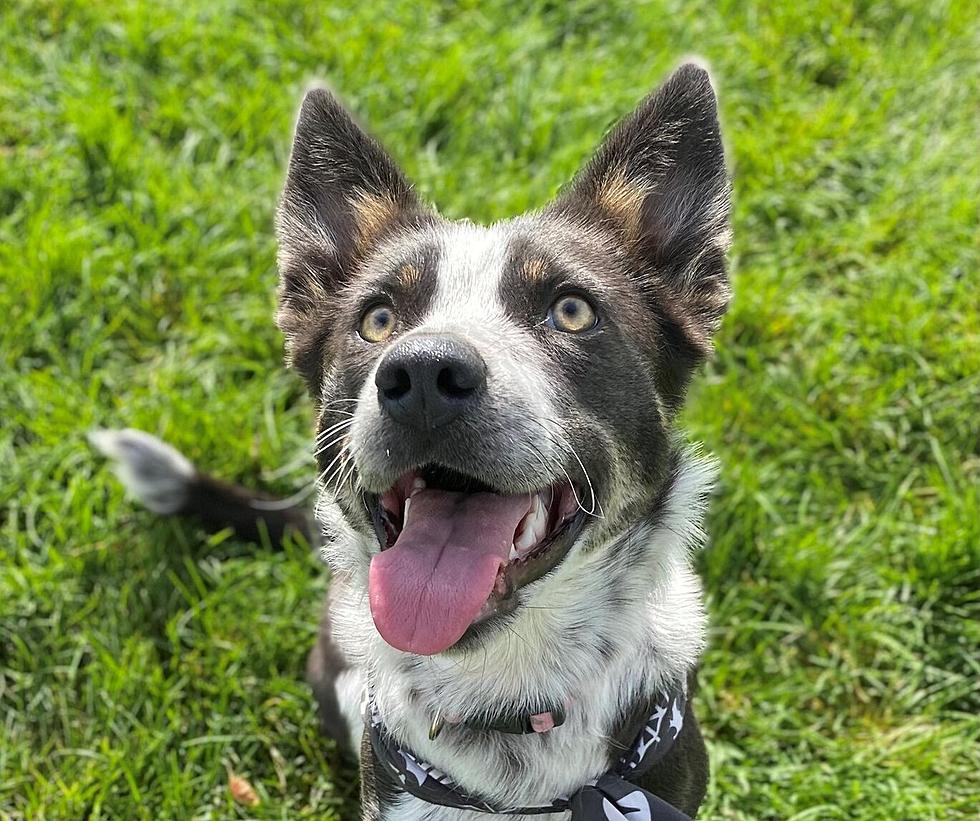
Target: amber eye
{"points": [[377, 323], [572, 314]]}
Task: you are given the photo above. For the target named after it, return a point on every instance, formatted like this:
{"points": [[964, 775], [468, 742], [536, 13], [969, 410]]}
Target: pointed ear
{"points": [[343, 194], [658, 183]]}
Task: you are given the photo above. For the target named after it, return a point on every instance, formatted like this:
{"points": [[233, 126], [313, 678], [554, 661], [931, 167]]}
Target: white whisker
{"points": [[325, 446], [324, 477], [289, 501], [556, 437], [326, 431]]}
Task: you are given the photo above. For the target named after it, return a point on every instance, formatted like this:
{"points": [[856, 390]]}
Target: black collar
{"points": [[535, 721], [611, 797]]}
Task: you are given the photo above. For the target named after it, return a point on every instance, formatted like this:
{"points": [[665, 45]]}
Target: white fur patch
{"points": [[153, 472], [471, 265], [349, 688]]}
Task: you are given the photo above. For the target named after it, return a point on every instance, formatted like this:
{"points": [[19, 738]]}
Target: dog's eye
{"points": [[572, 314], [377, 323]]}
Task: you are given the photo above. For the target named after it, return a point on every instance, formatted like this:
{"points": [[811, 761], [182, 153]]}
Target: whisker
{"points": [[510, 629], [347, 475], [338, 413], [588, 479], [338, 436], [558, 438], [303, 460], [328, 468], [341, 401], [351, 478], [326, 431], [289, 501]]}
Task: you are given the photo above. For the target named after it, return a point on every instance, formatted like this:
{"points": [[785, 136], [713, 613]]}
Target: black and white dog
{"points": [[508, 511]]}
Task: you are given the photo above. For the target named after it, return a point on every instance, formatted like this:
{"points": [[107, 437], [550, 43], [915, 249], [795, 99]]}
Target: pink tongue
{"points": [[428, 587]]}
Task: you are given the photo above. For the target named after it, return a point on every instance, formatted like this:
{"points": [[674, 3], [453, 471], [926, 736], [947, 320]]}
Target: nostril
{"points": [[427, 381], [454, 384], [398, 384]]}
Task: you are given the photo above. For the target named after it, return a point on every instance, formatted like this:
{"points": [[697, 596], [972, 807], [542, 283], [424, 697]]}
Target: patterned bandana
{"points": [[611, 797]]}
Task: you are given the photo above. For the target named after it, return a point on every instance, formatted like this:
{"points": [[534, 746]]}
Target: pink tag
{"points": [[542, 722]]}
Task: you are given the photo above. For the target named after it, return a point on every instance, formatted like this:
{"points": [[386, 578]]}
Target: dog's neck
{"points": [[607, 630]]}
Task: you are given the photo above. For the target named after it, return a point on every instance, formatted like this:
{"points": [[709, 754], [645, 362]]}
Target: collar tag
{"points": [[542, 722], [522, 724]]}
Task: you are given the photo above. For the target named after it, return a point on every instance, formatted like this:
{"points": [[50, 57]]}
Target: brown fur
{"points": [[622, 198]]}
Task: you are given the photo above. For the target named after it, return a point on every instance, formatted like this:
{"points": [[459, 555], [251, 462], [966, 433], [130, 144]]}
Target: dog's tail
{"points": [[166, 482]]}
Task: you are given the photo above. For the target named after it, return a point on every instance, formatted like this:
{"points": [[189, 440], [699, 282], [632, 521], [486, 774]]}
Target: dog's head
{"points": [[493, 400]]}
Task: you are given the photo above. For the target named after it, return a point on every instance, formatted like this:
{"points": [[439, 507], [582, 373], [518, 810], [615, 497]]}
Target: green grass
{"points": [[142, 147]]}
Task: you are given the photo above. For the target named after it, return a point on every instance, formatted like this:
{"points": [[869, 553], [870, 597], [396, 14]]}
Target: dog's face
{"points": [[493, 401]]}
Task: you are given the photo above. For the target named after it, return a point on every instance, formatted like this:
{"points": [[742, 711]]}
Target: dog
{"points": [[507, 507]]}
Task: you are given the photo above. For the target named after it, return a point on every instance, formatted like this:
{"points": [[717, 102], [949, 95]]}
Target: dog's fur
{"points": [[642, 233]]}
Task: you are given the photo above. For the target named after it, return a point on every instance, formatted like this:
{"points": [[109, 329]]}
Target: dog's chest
{"points": [[512, 770]]}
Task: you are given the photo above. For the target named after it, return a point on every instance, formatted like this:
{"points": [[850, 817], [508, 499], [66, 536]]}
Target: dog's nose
{"points": [[427, 380]]}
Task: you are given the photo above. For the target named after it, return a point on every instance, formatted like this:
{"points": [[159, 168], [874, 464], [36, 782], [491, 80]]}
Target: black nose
{"points": [[427, 380]]}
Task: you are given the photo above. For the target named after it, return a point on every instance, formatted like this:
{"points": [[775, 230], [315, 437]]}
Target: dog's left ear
{"points": [[343, 195], [658, 183]]}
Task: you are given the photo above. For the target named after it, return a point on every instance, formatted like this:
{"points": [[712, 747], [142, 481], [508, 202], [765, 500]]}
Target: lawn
{"points": [[142, 146]]}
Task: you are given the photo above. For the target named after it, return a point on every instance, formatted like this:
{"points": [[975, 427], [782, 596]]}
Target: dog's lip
{"points": [[545, 557]]}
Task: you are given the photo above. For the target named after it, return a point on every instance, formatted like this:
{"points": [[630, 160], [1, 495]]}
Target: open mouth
{"points": [[454, 552]]}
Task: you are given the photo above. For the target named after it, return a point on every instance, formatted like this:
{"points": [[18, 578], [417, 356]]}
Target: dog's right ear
{"points": [[343, 194]]}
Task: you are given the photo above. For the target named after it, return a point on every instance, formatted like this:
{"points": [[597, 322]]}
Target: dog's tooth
{"points": [[418, 483], [521, 527], [539, 517], [524, 523], [408, 504], [513, 554], [533, 527], [525, 541], [531, 516]]}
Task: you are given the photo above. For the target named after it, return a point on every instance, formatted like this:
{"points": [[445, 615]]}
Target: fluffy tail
{"points": [[166, 482]]}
